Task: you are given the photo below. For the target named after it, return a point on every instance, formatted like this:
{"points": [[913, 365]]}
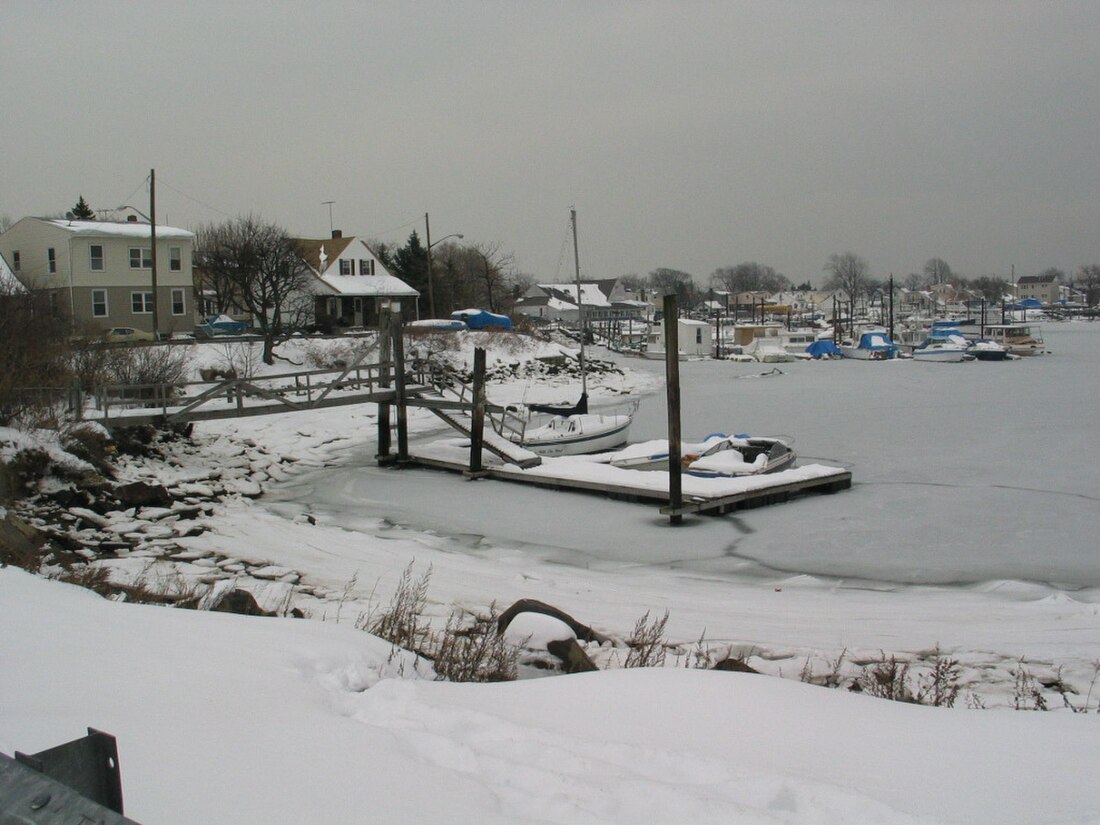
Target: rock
{"points": [[583, 631], [140, 494], [239, 601], [735, 666], [271, 571], [572, 655]]}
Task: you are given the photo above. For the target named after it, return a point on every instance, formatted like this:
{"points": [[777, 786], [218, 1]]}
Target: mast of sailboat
{"points": [[580, 305]]}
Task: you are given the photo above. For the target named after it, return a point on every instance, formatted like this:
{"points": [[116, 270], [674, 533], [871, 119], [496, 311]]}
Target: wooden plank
{"points": [[838, 481]]}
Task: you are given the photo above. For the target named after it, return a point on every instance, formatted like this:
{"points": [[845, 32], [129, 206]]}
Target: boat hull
{"points": [[578, 435]]}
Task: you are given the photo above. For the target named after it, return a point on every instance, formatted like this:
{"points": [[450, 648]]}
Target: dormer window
{"points": [[366, 267], [346, 267]]}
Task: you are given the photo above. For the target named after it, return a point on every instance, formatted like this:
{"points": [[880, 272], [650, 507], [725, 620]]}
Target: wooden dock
{"points": [[700, 495]]}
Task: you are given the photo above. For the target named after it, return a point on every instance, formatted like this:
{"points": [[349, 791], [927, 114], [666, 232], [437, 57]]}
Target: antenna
{"points": [[329, 205]]}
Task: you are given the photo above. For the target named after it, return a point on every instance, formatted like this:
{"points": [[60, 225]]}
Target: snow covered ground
{"points": [[971, 526]]}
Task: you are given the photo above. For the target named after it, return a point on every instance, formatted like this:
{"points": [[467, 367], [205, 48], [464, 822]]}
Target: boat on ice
{"points": [[718, 455], [549, 430], [872, 345], [1017, 339], [944, 344]]}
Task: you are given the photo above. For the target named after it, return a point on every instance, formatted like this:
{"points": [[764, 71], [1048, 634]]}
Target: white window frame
{"points": [[102, 294], [94, 259], [345, 264], [144, 255], [146, 300], [179, 293], [51, 260], [175, 259], [366, 266]]}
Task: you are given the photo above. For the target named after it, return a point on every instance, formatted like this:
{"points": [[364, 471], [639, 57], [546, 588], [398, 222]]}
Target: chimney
{"points": [[131, 219], [336, 233]]}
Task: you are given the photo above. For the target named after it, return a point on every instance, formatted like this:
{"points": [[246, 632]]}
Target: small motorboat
{"points": [[716, 455], [873, 345], [944, 349]]}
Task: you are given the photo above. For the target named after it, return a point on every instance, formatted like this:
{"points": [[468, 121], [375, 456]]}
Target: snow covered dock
{"points": [[593, 474]]}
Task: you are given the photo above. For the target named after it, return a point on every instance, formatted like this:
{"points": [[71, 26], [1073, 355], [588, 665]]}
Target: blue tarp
{"points": [[1027, 303], [822, 349], [480, 319]]}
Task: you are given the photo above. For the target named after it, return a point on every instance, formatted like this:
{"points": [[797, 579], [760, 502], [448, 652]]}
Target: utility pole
{"points": [[428, 249], [153, 249]]}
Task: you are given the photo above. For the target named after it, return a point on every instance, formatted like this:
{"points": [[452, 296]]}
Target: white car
{"points": [[121, 334]]}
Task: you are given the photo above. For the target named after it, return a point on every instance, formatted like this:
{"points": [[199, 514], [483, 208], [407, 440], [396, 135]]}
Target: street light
{"points": [[428, 240]]}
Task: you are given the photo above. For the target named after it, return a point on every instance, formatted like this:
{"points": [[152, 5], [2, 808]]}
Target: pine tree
{"points": [[410, 263], [82, 211]]}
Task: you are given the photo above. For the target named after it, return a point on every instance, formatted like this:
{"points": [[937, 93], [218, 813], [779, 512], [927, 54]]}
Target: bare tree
{"points": [[749, 277], [849, 273], [1089, 276], [936, 271], [265, 271], [664, 281], [474, 275]]}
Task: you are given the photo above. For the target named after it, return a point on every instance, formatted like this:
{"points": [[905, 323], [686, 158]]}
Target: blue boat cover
{"points": [[822, 349]]}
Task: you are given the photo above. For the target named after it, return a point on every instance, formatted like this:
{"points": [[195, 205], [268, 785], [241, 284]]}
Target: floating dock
{"points": [[593, 474]]}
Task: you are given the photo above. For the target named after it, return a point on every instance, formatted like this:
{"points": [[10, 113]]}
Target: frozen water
{"points": [[962, 473]]}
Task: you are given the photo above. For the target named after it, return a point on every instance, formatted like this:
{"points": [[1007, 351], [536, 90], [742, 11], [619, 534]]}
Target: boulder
{"points": [[572, 655], [239, 601], [735, 666], [140, 494]]}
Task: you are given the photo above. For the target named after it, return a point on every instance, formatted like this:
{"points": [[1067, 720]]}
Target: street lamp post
{"points": [[428, 250]]}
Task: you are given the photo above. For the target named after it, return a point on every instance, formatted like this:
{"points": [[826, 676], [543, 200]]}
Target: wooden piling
{"points": [[672, 383]]}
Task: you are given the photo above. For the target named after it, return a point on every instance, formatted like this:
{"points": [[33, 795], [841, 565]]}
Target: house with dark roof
{"points": [[350, 284], [1042, 288]]}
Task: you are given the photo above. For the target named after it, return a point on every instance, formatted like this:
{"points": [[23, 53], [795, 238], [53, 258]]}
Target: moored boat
{"points": [[873, 345], [717, 455]]}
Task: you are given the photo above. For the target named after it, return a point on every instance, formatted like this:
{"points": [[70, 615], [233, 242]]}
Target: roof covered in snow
{"points": [[116, 229]]}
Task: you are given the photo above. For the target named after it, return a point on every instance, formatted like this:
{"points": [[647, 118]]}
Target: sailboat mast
{"points": [[580, 304]]}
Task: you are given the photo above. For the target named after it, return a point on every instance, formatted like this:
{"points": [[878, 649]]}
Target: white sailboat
{"points": [[553, 430]]}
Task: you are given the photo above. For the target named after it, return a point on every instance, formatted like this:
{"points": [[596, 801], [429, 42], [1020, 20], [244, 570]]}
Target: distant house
{"points": [[603, 301], [350, 283], [99, 273], [1043, 288]]}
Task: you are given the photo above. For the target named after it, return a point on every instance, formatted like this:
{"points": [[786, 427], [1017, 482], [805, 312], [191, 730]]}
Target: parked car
{"points": [[220, 325], [122, 334]]}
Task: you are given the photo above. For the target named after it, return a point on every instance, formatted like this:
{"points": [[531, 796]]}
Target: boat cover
{"points": [[822, 349]]}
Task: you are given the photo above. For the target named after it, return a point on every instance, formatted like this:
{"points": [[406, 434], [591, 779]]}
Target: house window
{"points": [[345, 267], [698, 336], [51, 260], [140, 258], [16, 263], [141, 303], [99, 303], [96, 258], [366, 267], [175, 260], [177, 302]]}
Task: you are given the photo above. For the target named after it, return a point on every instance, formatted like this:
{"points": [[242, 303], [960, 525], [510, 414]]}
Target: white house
{"points": [[696, 339], [350, 283], [604, 301], [1043, 288], [100, 272]]}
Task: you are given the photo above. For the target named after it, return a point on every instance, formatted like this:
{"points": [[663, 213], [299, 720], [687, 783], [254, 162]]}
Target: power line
{"points": [[195, 200]]}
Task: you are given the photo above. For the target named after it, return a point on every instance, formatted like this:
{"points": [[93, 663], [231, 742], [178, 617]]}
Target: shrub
{"points": [[647, 642]]}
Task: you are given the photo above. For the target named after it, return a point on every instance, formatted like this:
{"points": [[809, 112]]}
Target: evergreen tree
{"points": [[410, 264], [82, 211]]}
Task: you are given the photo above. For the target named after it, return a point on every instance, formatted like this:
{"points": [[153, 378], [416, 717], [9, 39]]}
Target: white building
{"points": [[350, 284], [100, 272]]}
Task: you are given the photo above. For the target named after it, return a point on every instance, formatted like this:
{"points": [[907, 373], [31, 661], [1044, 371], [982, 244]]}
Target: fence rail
{"points": [[194, 400]]}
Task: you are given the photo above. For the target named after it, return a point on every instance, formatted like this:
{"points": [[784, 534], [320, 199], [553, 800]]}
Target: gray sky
{"points": [[688, 135]]}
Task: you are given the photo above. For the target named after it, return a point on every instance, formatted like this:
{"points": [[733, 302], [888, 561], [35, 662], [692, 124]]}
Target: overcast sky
{"points": [[687, 135]]}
